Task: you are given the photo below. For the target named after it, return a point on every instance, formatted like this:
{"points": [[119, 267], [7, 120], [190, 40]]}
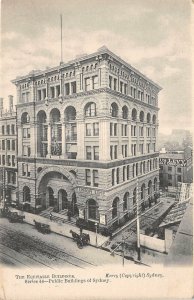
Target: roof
{"points": [[181, 251], [100, 51]]}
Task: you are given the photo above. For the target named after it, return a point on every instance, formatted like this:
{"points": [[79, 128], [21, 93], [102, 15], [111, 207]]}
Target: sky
{"points": [[152, 35]]}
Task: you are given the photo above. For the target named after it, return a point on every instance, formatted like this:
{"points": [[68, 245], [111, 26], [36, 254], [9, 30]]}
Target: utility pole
{"points": [[138, 225]]}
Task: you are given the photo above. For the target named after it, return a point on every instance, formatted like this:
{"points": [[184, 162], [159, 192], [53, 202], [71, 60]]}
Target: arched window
{"points": [[26, 194], [134, 196], [141, 116], [25, 118], [150, 164], [150, 188], [90, 109], [125, 112], [134, 173], [70, 113], [114, 110], [148, 117], [125, 201], [134, 114], [56, 132], [115, 207], [143, 191], [92, 209], [154, 119], [155, 184]]}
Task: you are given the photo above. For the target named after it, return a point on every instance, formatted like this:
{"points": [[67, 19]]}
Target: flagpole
{"points": [[61, 38]]}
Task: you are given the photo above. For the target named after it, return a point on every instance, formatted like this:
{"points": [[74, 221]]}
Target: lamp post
{"points": [[96, 225], [123, 249]]}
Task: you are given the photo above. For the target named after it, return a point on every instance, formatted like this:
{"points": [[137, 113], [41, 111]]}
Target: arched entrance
{"points": [[62, 199], [92, 209], [51, 198], [26, 194]]}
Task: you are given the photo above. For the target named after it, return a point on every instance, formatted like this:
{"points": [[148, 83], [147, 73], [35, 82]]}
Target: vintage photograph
{"points": [[96, 150]]}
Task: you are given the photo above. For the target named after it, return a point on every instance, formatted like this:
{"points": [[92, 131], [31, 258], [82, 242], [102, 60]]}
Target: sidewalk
{"points": [[62, 228]]}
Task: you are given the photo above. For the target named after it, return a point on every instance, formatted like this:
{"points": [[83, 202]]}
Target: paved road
{"points": [[21, 245]]}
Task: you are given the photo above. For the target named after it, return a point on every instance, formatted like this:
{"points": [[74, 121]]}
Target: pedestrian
{"points": [[81, 229], [51, 216]]}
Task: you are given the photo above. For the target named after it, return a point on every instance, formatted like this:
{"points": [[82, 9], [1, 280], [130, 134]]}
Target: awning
{"points": [[73, 148]]}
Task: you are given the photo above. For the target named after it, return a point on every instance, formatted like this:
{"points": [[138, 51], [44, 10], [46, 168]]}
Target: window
{"points": [[3, 144], [88, 129], [141, 131], [169, 176], [26, 132], [148, 148], [3, 129], [115, 84], [13, 145], [110, 82], [8, 129], [115, 129], [141, 148], [87, 84], [26, 151], [95, 178], [113, 176], [39, 95], [13, 160], [124, 173], [179, 178], [124, 130], [95, 82], [67, 89], [3, 159], [88, 152], [148, 131], [117, 175], [73, 87], [169, 168], [154, 147], [161, 168], [133, 149], [114, 110], [88, 177], [96, 129], [179, 170], [96, 152], [8, 145], [115, 152], [124, 151], [90, 110], [9, 160], [57, 90], [52, 92], [13, 129]]}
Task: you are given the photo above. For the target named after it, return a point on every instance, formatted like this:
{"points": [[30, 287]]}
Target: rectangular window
{"points": [[113, 176], [169, 176], [73, 87], [124, 170], [125, 130], [141, 148], [13, 160], [179, 178], [125, 89], [88, 152], [128, 172], [95, 178], [88, 129], [87, 84], [9, 160], [23, 170], [154, 147], [13, 145], [110, 82], [141, 131], [111, 152], [88, 177], [96, 129], [3, 159], [115, 129], [169, 168], [52, 92], [96, 152], [121, 86], [115, 152], [3, 129], [39, 95], [117, 175], [179, 170], [115, 84], [95, 82], [148, 131], [27, 170], [148, 148], [13, 129], [43, 94], [67, 89], [57, 90], [3, 144], [111, 129], [8, 129], [8, 145]]}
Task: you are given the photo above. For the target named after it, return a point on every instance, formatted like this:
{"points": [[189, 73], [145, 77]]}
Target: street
{"points": [[21, 245]]}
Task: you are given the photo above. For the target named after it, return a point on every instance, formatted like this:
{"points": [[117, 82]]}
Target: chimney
{"points": [[1, 104], [10, 102]]}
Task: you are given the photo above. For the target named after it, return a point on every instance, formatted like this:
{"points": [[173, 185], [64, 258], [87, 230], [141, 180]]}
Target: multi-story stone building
{"points": [[176, 167], [8, 151], [87, 129]]}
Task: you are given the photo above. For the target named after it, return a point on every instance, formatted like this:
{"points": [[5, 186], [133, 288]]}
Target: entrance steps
{"points": [[57, 217]]}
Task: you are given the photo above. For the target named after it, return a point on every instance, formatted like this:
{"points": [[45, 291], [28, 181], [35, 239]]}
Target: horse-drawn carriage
{"points": [[41, 227], [14, 217], [81, 239]]}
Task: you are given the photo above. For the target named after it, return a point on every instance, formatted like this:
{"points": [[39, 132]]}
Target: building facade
{"points": [[87, 130], [8, 151], [175, 167]]}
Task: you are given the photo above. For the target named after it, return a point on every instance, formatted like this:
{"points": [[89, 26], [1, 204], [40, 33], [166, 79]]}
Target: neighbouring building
{"points": [[8, 151], [175, 167], [87, 129]]}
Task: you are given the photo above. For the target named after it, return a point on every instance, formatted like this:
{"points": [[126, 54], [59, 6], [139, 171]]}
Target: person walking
{"points": [[51, 216]]}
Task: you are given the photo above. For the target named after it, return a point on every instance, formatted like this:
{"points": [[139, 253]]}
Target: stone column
{"points": [[63, 139], [104, 139], [49, 140], [80, 139]]}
